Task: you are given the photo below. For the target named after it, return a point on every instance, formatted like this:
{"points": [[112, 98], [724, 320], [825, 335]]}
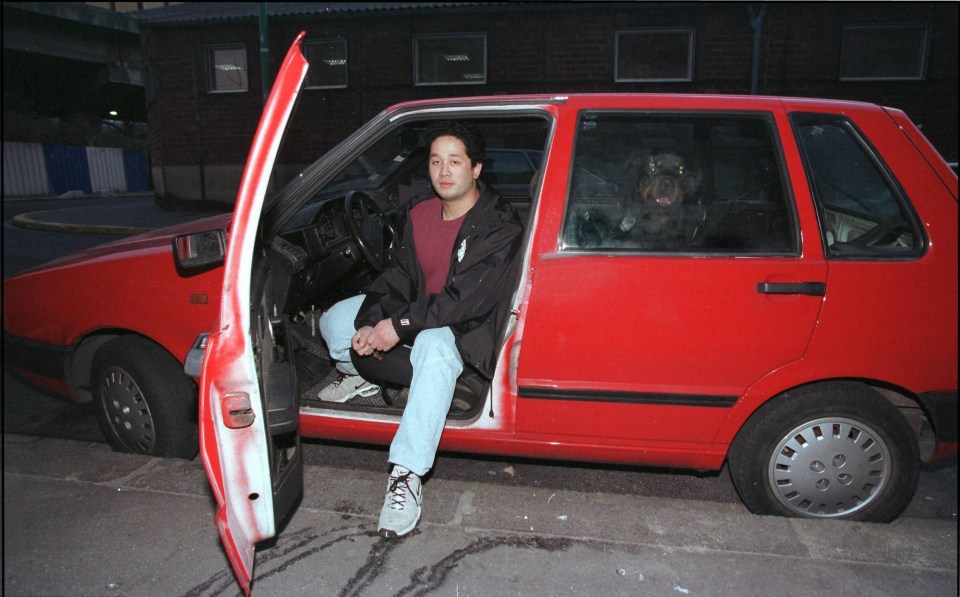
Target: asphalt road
{"points": [[23, 248]]}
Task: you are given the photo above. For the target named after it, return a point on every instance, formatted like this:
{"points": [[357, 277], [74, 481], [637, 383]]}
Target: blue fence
{"points": [[39, 169]]}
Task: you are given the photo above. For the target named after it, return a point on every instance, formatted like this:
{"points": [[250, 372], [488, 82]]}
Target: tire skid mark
{"points": [[223, 579], [380, 552], [426, 580], [222, 582], [307, 553], [423, 581]]}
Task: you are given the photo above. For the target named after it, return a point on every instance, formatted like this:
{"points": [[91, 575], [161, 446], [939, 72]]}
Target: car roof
{"points": [[649, 100]]}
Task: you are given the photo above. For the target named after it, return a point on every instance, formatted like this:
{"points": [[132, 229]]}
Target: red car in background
{"points": [[765, 282]]}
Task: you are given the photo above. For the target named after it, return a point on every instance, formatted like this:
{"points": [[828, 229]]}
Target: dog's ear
{"points": [[639, 162], [652, 165]]}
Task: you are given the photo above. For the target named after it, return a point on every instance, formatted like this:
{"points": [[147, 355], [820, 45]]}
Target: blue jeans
{"points": [[436, 366]]}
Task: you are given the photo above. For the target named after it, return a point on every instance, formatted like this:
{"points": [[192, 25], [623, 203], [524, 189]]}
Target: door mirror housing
{"points": [[199, 250]]}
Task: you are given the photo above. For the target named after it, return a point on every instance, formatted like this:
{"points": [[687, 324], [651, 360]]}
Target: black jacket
{"points": [[476, 296]]}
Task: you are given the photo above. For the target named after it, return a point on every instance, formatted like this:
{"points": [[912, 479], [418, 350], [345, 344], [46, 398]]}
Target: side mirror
{"points": [[199, 249]]}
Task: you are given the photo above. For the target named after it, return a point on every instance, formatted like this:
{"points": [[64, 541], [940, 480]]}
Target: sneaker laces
{"points": [[398, 498]]}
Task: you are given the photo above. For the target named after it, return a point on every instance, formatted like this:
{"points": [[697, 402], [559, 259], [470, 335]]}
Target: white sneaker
{"points": [[346, 387], [401, 507]]}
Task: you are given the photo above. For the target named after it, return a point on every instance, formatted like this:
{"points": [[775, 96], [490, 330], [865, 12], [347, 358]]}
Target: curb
{"points": [[79, 196], [27, 221]]}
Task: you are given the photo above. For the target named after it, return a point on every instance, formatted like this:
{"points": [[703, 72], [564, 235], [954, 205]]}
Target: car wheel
{"points": [[145, 403], [837, 450]]}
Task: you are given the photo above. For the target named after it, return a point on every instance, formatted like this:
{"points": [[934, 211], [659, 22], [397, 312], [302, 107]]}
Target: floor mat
{"points": [[313, 374]]}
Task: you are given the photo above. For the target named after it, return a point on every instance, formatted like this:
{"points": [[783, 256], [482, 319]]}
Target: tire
{"points": [[833, 450], [145, 403]]}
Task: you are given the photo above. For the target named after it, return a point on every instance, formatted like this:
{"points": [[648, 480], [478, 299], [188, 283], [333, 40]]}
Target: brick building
{"points": [[205, 79]]}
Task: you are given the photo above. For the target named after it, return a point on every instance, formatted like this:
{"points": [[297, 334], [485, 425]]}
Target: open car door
{"points": [[249, 436]]}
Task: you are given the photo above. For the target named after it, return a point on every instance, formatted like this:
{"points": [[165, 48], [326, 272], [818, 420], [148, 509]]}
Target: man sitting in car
{"points": [[442, 290]]}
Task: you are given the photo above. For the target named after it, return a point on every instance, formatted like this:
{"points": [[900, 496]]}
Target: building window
{"points": [[650, 55], [459, 59], [328, 63], [884, 53], [227, 68]]}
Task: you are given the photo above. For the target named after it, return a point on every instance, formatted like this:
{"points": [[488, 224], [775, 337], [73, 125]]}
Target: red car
{"points": [[766, 282]]}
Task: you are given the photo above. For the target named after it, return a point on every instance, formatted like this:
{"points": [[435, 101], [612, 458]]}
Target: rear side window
{"points": [[509, 166], [863, 212], [678, 183]]}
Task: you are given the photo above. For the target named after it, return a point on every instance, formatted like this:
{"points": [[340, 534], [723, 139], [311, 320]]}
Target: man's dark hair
{"points": [[471, 136]]}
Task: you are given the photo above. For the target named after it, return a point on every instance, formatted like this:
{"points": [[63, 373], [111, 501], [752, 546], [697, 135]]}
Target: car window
{"points": [[393, 167], [508, 166], [389, 154], [678, 183], [862, 210], [514, 150]]}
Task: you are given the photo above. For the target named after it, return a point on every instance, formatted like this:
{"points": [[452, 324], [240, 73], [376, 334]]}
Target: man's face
{"points": [[451, 173]]}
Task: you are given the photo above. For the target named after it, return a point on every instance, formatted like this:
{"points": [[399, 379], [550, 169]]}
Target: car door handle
{"points": [[808, 288]]}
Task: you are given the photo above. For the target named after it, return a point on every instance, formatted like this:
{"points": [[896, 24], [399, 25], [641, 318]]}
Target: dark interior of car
{"points": [[683, 183]]}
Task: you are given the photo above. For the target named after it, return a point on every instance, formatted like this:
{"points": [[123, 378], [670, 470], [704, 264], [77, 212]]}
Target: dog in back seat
{"points": [[667, 187]]}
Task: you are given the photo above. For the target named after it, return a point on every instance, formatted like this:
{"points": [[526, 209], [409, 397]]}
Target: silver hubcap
{"points": [[127, 411], [829, 468]]}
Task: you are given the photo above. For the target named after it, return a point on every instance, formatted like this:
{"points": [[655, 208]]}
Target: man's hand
{"points": [[381, 337]]}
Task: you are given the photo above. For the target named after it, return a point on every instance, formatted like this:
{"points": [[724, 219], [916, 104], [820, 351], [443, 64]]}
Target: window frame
{"points": [[788, 197], [845, 44], [691, 54], [346, 64], [210, 65], [417, 38]]}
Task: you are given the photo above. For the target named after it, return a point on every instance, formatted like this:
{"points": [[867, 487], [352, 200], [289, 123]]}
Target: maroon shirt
{"points": [[433, 238]]}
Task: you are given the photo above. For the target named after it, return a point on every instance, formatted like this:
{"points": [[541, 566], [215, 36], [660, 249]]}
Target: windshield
{"points": [[378, 162]]}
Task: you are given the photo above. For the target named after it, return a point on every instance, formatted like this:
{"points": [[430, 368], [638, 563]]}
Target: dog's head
{"points": [[666, 181], [667, 190]]}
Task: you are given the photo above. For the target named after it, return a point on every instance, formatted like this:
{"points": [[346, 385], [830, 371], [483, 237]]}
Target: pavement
{"points": [[137, 213], [80, 519]]}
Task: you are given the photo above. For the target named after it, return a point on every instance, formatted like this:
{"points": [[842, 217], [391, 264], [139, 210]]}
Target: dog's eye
{"points": [[680, 170]]}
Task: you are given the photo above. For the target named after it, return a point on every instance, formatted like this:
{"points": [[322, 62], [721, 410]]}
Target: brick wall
{"points": [[539, 48]]}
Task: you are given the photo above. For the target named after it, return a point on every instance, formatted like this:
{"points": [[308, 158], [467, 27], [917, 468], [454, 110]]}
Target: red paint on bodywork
{"points": [[138, 290]]}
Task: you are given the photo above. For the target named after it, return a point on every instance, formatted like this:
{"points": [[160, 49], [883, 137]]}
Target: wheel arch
{"points": [[906, 402], [80, 365]]}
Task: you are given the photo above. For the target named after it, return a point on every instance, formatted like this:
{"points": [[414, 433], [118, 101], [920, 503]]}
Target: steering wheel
{"points": [[372, 214]]}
